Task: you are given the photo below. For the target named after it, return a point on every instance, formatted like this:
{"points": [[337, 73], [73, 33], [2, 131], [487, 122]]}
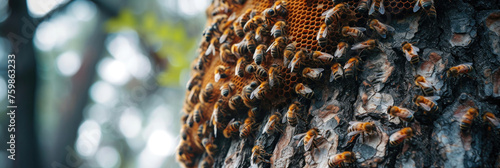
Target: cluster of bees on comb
{"points": [[250, 62]]}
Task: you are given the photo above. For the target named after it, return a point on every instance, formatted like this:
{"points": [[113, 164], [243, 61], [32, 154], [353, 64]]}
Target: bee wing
{"points": [[223, 37], [217, 77], [468, 64], [325, 56], [396, 136], [254, 92], [372, 9], [359, 28], [407, 55], [425, 84], [381, 7], [268, 125], [236, 69], [389, 28], [415, 49], [292, 64], [348, 64], [433, 98], [271, 46], [210, 49], [353, 133], [316, 71], [494, 121], [359, 46], [284, 119], [306, 90], [325, 32], [425, 106], [339, 52], [308, 144], [327, 12], [417, 6], [351, 123], [232, 120]]}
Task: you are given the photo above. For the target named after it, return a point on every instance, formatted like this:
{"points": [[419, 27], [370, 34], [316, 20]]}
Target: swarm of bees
{"points": [[249, 60]]}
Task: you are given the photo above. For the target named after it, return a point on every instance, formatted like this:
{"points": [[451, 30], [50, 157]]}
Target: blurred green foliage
{"points": [[173, 37]]}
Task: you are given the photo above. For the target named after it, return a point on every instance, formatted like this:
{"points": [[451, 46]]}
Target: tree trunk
{"points": [[462, 32]]}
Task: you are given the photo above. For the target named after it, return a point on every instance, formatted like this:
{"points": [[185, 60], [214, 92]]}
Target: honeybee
{"points": [[341, 50], [332, 15], [299, 55], [493, 121], [250, 68], [354, 32], [258, 156], [288, 54], [426, 86], [403, 113], [410, 52], [312, 73], [273, 124], [304, 91], [209, 32], [221, 72], [239, 49], [218, 113], [260, 33], [339, 160], [357, 127], [368, 44], [351, 67], [184, 155], [207, 162], [260, 72], [197, 113], [431, 12], [221, 9], [190, 120], [195, 80], [232, 129], [207, 93], [380, 28], [228, 33], [227, 88], [277, 46], [278, 29], [337, 72], [310, 139], [238, 29], [322, 58], [381, 8], [200, 62], [428, 104], [225, 53], [362, 6], [258, 56], [246, 92], [253, 23], [250, 41], [185, 132], [209, 145], [193, 95], [291, 114], [280, 8], [426, 4], [211, 47], [243, 19], [322, 35], [459, 69], [239, 70], [247, 127], [467, 118], [235, 102], [274, 76], [399, 136], [260, 91], [203, 129], [269, 14], [254, 112]]}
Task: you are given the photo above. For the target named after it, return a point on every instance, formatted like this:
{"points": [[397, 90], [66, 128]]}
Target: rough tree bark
{"points": [[464, 31]]}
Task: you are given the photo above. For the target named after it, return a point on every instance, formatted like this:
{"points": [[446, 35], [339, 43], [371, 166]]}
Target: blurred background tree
{"points": [[98, 83]]}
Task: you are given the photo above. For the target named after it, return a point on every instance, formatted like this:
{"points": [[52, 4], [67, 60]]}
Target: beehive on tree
{"points": [[354, 108]]}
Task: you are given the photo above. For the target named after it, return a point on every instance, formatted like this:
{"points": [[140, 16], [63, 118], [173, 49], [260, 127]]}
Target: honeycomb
{"points": [[303, 20]]}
